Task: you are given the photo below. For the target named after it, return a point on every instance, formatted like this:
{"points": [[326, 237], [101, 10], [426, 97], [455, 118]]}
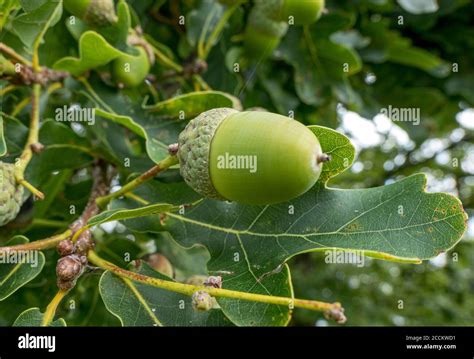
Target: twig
{"points": [[165, 60], [99, 189], [42, 222], [36, 44], [151, 173], [188, 289], [94, 94], [20, 106], [52, 306], [165, 20], [7, 89], [14, 55], [27, 153], [38, 245], [202, 36]]}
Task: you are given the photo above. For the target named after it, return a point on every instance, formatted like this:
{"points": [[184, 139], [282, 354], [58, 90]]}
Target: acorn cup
{"points": [[96, 13], [129, 70], [11, 194], [256, 158]]}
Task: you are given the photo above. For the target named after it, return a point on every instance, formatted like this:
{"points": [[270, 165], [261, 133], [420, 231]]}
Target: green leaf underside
{"points": [[169, 117], [33, 318], [136, 304], [13, 276]]}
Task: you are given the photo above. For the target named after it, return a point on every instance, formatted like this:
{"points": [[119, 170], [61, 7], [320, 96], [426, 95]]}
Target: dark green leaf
{"points": [[33, 318], [18, 268]]}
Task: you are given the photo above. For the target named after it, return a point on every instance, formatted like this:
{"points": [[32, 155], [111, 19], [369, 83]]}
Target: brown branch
{"points": [[26, 74], [99, 189], [46, 243]]}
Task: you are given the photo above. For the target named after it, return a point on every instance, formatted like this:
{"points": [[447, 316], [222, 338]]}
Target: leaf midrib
{"points": [[338, 231]]}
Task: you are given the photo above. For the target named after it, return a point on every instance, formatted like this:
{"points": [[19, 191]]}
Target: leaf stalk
{"points": [[130, 186], [52, 307]]}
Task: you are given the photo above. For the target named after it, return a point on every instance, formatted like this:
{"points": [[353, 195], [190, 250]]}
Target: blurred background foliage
{"points": [[406, 54]]}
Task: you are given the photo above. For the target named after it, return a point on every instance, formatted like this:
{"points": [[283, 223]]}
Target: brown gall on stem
{"points": [[69, 268], [173, 149], [202, 301], [37, 147], [160, 263], [213, 281], [336, 314], [84, 243], [65, 284], [65, 247]]}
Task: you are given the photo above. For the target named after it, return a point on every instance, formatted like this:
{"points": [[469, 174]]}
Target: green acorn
{"points": [[11, 194], [249, 157], [262, 34], [93, 12], [130, 70], [160, 263], [302, 12]]}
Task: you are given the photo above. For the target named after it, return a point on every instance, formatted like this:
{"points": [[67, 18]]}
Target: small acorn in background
{"points": [[130, 70], [268, 22], [262, 34], [249, 157], [160, 263], [299, 12], [197, 280], [94, 12]]}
